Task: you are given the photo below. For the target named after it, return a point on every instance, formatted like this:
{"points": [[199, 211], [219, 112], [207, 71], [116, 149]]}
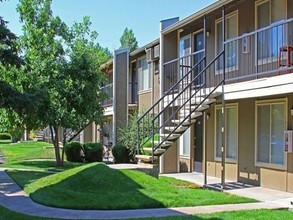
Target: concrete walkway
{"points": [[14, 198]]}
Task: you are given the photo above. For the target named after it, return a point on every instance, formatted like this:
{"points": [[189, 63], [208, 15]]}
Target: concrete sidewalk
{"points": [[246, 190], [14, 198]]}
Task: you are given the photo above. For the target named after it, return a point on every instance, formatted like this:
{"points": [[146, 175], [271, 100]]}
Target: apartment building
{"points": [[131, 79], [226, 94]]}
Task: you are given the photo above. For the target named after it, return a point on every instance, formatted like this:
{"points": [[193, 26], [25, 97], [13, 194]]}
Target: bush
{"points": [[93, 152], [5, 136], [74, 152], [121, 154]]}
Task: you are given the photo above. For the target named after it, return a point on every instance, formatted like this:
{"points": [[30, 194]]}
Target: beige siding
{"points": [[248, 173], [275, 179], [144, 100], [170, 161]]}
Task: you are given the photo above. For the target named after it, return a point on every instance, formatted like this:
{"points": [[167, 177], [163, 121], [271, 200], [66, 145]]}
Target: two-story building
{"points": [[226, 94]]}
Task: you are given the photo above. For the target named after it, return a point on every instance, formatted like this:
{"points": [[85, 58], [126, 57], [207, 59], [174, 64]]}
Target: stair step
{"points": [[164, 144], [157, 152], [145, 158], [193, 115], [179, 130], [187, 122], [171, 137], [199, 100], [215, 94]]}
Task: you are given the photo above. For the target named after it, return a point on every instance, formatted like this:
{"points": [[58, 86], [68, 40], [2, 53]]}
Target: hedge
{"points": [[74, 151], [93, 152]]}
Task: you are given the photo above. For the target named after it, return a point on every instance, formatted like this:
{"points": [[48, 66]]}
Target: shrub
{"points": [[93, 152], [74, 152], [121, 154], [5, 136]]}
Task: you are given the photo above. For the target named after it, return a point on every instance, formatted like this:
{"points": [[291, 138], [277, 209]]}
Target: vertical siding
{"points": [[170, 159], [248, 173], [145, 100]]}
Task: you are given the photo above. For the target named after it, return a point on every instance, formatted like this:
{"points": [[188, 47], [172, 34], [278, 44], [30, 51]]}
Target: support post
{"points": [[223, 147], [204, 145]]}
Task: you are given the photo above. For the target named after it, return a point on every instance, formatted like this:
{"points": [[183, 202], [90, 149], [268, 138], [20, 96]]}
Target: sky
{"points": [[110, 17]]}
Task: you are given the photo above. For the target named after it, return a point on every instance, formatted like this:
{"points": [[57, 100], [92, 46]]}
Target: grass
{"points": [[239, 215], [96, 186], [31, 155], [27, 151]]}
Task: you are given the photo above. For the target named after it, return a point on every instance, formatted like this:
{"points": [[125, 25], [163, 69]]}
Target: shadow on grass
{"points": [[48, 165], [94, 186], [5, 142], [24, 178]]}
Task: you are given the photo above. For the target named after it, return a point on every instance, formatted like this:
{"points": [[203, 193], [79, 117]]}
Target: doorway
{"points": [[198, 145]]}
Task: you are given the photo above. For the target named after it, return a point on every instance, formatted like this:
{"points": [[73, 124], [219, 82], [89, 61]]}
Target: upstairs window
{"points": [[231, 31], [269, 41], [144, 76]]}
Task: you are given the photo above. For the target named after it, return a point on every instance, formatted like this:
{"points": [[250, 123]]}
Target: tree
{"points": [[128, 40], [63, 64], [15, 103]]}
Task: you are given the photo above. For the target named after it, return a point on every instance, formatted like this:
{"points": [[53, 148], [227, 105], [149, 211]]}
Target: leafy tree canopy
{"points": [[128, 40], [62, 64]]}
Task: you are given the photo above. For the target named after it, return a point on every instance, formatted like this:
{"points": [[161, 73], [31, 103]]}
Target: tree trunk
{"points": [[63, 148], [55, 140]]}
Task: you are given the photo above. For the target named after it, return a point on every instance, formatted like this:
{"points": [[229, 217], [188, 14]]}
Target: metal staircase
{"points": [[162, 124]]}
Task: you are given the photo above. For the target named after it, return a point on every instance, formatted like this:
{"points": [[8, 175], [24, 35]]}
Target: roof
{"points": [[196, 15], [141, 49]]}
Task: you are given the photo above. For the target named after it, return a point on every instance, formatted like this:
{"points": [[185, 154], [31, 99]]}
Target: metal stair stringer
{"points": [[178, 110]]}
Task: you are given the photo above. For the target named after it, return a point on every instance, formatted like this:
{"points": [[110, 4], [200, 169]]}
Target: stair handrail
{"points": [[160, 100], [189, 99]]}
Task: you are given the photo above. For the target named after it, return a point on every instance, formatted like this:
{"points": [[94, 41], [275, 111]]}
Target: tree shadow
{"points": [[47, 165]]}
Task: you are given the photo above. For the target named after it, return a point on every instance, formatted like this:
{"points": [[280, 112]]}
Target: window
{"points": [[184, 51], [230, 48], [144, 75], [185, 143], [270, 126], [231, 127], [269, 41]]}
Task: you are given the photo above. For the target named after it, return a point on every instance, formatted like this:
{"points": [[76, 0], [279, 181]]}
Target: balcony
{"points": [[108, 89], [262, 53]]}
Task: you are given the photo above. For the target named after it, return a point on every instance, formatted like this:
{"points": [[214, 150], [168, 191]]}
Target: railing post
{"points": [[223, 150], [153, 140]]}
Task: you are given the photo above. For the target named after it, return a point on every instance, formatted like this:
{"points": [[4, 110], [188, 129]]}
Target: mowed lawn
{"points": [[27, 151], [31, 155], [96, 186]]}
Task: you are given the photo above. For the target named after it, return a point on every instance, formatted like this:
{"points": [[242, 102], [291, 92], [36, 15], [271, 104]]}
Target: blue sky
{"points": [[110, 17]]}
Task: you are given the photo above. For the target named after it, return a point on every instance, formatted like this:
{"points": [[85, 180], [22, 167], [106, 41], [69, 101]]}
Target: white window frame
{"points": [[269, 59], [233, 68], [217, 107], [270, 102], [141, 90]]}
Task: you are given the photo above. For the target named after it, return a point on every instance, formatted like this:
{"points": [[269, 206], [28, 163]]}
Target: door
{"points": [[198, 50], [134, 85], [198, 145], [185, 60]]}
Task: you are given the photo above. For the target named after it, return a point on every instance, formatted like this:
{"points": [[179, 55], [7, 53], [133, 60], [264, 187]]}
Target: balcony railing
{"points": [[175, 69], [133, 92], [108, 89], [261, 53]]}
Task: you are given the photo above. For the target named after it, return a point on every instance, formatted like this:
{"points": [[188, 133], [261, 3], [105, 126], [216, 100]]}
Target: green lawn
{"points": [[96, 186], [27, 151], [31, 155], [239, 215]]}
